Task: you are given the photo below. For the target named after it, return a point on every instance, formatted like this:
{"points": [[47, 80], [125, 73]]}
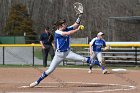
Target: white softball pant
{"points": [[59, 56], [97, 56]]}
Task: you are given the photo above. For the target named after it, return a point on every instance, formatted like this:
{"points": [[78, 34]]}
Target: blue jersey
{"points": [[62, 43], [97, 44]]}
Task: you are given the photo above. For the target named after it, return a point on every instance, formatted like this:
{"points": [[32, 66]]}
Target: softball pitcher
{"points": [[62, 45], [97, 45]]}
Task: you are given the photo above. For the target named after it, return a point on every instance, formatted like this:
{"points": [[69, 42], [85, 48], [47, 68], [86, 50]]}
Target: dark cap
{"points": [[60, 22]]}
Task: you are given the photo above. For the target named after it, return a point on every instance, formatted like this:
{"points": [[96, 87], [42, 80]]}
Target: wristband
{"points": [[78, 20]]}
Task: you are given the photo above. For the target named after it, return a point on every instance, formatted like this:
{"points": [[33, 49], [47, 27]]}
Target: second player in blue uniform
{"points": [[97, 45]]}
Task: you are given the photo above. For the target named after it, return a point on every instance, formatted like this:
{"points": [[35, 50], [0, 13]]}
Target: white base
{"points": [[119, 70]]}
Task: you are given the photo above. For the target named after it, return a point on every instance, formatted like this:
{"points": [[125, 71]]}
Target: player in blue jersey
{"points": [[62, 45], [97, 45]]}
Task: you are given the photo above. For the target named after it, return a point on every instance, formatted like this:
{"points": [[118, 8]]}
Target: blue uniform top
{"points": [[62, 43], [98, 44]]}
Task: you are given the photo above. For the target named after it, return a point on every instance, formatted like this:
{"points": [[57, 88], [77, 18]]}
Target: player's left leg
{"points": [[100, 62], [77, 57]]}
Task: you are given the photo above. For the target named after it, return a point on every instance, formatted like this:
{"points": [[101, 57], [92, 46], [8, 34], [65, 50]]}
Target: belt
{"points": [[61, 50]]}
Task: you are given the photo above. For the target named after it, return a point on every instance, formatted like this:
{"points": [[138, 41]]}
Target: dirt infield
{"points": [[66, 80]]}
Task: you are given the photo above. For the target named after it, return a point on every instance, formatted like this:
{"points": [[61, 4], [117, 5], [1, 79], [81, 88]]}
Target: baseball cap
{"points": [[60, 22], [100, 33]]}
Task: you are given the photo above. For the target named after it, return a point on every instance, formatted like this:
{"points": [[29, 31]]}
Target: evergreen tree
{"points": [[18, 22]]}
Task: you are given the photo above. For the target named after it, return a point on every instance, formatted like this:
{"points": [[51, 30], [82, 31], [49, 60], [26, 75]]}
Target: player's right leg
{"points": [[90, 68], [56, 60], [92, 62]]}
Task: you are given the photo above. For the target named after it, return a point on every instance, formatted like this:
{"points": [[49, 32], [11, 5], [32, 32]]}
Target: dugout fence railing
{"points": [[123, 53], [30, 54], [122, 56]]}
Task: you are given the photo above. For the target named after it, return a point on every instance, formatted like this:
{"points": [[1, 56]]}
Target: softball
{"points": [[82, 27]]}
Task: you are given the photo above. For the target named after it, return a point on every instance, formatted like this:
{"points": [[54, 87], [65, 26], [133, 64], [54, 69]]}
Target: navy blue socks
{"points": [[42, 77]]}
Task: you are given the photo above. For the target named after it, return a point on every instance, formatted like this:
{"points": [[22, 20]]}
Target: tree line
{"points": [[95, 18]]}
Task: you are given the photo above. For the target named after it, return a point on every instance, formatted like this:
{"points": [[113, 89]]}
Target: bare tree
{"points": [[95, 18]]}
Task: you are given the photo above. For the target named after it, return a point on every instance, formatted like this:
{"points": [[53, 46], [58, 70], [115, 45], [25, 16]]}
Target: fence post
{"points": [[136, 55], [3, 56], [63, 63], [33, 55]]}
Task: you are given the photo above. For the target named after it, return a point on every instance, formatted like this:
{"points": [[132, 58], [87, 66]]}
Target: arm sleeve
{"points": [[69, 28], [58, 32], [91, 43]]}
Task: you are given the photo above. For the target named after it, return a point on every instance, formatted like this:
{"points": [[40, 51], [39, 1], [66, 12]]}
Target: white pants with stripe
{"points": [[60, 56], [97, 56]]}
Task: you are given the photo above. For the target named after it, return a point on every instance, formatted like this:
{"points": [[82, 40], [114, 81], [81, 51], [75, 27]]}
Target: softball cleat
{"points": [[105, 71], [33, 84], [90, 71]]}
